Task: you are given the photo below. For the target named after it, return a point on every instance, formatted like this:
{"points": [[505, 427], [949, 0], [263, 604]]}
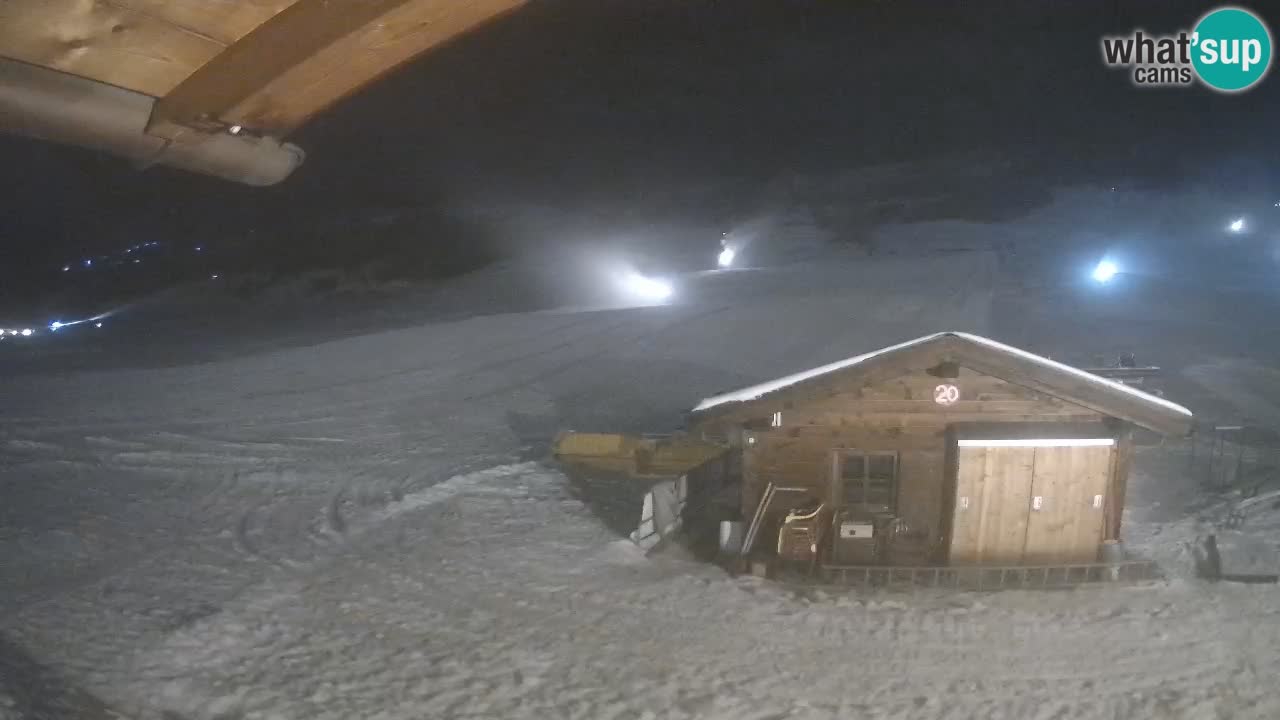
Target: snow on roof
{"points": [[764, 388], [756, 391]]}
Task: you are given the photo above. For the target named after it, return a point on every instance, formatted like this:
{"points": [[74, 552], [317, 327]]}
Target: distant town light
{"points": [[1237, 225], [26, 332]]}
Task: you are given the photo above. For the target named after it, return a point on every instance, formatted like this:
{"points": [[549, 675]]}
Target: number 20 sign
{"points": [[946, 394]]}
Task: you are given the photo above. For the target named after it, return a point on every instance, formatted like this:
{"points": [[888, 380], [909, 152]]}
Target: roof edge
{"points": [[741, 396]]}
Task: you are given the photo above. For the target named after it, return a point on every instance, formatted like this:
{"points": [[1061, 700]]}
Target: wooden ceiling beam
{"points": [[307, 57], [225, 22], [108, 42]]}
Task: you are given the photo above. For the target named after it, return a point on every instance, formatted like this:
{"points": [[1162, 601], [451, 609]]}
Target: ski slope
{"points": [[361, 527]]}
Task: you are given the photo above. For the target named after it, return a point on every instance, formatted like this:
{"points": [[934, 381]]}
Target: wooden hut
{"points": [[950, 449]]}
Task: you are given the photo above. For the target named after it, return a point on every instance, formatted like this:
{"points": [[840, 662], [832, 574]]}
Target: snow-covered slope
{"points": [[355, 529]]}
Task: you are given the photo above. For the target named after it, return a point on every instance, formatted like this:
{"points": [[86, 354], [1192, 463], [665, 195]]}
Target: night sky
{"points": [[583, 104]]}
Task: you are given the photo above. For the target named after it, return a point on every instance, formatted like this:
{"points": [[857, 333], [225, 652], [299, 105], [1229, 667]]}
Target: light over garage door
{"points": [[1027, 502]]}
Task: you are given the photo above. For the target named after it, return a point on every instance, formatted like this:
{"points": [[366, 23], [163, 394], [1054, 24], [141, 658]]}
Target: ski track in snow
{"points": [[497, 596], [346, 530]]}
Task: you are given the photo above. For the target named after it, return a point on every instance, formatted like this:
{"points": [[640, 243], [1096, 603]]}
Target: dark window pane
{"points": [[853, 492], [869, 481], [853, 467], [880, 467]]}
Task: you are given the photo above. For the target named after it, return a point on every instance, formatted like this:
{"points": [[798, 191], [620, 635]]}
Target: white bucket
{"points": [[731, 535]]}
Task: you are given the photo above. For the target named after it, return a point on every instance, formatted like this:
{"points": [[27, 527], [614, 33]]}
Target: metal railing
{"points": [[979, 577], [1234, 456]]}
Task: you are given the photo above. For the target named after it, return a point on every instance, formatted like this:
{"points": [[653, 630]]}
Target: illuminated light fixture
{"points": [[1237, 225], [235, 129], [66, 268], [56, 325], [726, 257], [214, 276], [645, 287], [26, 332], [1039, 442], [1105, 270]]}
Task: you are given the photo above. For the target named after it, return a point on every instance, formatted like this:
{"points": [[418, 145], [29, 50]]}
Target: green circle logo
{"points": [[1231, 49]]}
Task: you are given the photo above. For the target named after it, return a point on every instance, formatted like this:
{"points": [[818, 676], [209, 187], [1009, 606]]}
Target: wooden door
{"points": [[993, 492], [1026, 505], [1066, 522]]}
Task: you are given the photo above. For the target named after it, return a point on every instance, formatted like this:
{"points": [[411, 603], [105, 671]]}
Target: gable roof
{"points": [[978, 353]]}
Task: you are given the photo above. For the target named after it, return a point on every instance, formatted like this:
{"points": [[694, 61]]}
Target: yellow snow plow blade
{"points": [[635, 455]]}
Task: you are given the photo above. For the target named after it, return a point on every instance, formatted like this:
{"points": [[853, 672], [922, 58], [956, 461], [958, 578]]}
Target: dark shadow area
{"points": [[615, 498], [41, 693], [609, 117]]}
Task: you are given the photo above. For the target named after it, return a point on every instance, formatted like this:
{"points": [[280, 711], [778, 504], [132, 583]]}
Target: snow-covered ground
{"points": [[362, 527]]}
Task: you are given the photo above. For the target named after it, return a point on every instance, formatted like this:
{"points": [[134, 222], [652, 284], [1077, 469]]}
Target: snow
{"points": [[504, 598], [1060, 367], [360, 528], [1039, 442], [757, 391]]}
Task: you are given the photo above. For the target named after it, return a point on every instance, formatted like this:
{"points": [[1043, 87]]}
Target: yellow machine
{"points": [[635, 455]]}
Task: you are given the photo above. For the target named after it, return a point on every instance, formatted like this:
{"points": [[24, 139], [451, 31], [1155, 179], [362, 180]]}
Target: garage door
{"points": [[1027, 502]]}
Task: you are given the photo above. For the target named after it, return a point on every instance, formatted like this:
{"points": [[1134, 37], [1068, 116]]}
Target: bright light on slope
{"points": [[56, 325], [1237, 225], [26, 332], [726, 257], [1104, 271], [647, 288]]}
